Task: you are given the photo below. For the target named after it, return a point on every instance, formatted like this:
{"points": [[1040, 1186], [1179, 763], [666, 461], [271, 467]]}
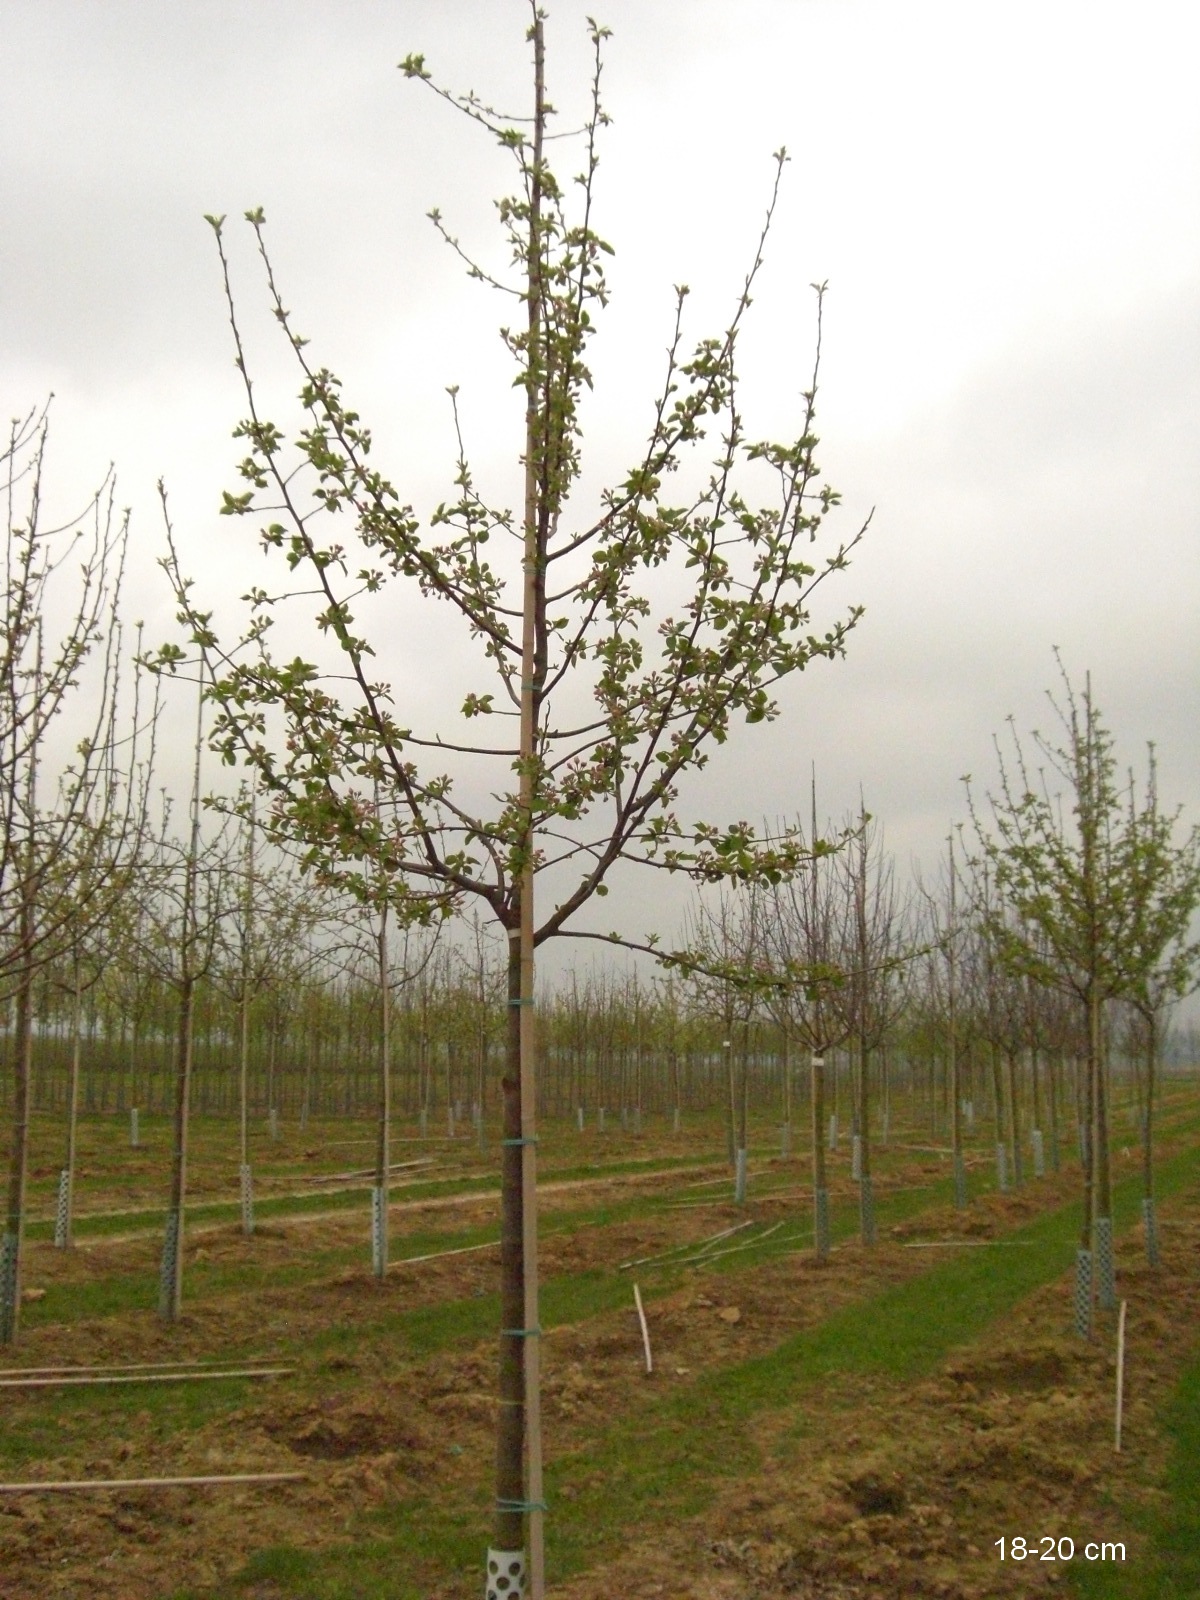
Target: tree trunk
{"points": [[820, 1192], [64, 1221], [1103, 1245], [1014, 1119], [383, 1140], [170, 1297], [1149, 1221], [998, 1107], [866, 1195], [22, 1062]]}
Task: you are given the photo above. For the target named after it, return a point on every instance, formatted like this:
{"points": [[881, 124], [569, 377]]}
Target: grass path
{"points": [[1173, 1531]]}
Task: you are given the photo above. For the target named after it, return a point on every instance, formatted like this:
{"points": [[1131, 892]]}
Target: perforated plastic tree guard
{"points": [[833, 1131], [505, 1574], [8, 1287], [1039, 1153], [133, 1127], [856, 1158], [246, 1180], [1001, 1168], [739, 1177], [378, 1234], [960, 1181], [170, 1256], [1150, 1228], [1105, 1266], [60, 1210], [1083, 1293]]}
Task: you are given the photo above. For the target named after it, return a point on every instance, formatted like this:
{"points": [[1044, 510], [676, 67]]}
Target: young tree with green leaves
{"points": [[1164, 958], [185, 886], [803, 975], [876, 940], [604, 705], [69, 828], [1078, 878]]}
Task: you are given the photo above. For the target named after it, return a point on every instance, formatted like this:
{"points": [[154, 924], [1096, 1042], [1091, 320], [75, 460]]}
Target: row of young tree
{"points": [[221, 978], [1064, 915], [605, 705]]}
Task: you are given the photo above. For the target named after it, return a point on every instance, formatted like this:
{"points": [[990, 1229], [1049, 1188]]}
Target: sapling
{"points": [[1076, 899], [572, 621], [62, 864]]}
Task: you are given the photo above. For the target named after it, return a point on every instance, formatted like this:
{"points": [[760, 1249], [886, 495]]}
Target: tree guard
{"points": [[505, 1574], [1083, 1293]]}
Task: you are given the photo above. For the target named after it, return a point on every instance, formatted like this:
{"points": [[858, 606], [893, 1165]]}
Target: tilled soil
{"points": [[888, 1490], [875, 1490]]}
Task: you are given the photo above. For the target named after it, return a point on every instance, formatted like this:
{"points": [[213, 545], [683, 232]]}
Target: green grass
{"points": [[51, 1422], [1173, 1536], [269, 1207]]}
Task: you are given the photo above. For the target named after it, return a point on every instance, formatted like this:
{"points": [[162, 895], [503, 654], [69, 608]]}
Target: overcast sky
{"points": [[1002, 197]]}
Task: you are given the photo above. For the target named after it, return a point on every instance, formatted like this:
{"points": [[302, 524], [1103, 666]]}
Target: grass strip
{"points": [[267, 1206], [1173, 1570]]}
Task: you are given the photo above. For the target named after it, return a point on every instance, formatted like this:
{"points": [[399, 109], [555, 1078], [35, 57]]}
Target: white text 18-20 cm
{"points": [[1048, 1548]]}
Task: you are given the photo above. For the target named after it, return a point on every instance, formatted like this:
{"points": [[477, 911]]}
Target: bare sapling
{"points": [[63, 863]]}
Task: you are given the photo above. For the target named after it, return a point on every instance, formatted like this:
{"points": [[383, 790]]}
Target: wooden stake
{"points": [[142, 1377], [1120, 1368], [131, 1366], [86, 1484], [709, 1254], [637, 1300], [751, 1244], [463, 1250], [364, 1172], [640, 1261]]}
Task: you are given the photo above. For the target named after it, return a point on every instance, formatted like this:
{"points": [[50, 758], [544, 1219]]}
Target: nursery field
{"points": [[867, 1427]]}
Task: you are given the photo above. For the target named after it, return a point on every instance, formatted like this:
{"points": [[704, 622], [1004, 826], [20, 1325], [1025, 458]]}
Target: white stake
{"points": [[1120, 1367], [637, 1300]]}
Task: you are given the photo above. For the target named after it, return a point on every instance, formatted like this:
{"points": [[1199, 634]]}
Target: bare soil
{"points": [[875, 1489]]}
